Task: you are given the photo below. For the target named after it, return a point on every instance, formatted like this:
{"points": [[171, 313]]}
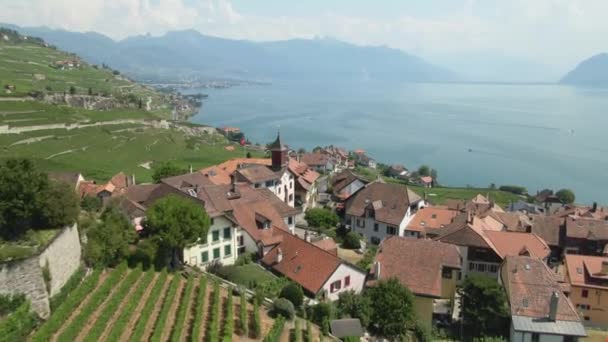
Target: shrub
{"points": [[294, 293], [200, 310], [90, 203], [422, 332], [127, 312], [351, 241], [565, 196], [138, 332], [257, 322], [19, 324], [112, 305], [321, 218], [183, 310], [244, 259], [321, 312], [228, 319], [214, 321], [159, 325], [297, 331], [243, 327], [283, 307], [518, 190], [10, 303], [277, 329]]}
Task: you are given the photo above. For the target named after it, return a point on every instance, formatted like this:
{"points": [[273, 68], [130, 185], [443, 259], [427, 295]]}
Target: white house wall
{"points": [[193, 254], [357, 280]]}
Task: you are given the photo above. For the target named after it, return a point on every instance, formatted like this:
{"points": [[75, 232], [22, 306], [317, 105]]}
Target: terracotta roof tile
{"points": [[314, 159], [417, 263], [585, 270], [256, 174], [395, 200], [431, 218], [516, 243], [582, 228]]}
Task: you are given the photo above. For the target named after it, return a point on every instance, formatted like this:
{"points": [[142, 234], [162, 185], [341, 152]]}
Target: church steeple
{"points": [[279, 153]]}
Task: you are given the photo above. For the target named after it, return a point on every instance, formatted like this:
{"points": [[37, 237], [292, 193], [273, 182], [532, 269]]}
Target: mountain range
{"points": [[183, 54], [590, 72]]}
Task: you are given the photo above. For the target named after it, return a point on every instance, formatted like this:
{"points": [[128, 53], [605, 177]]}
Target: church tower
{"points": [[279, 154]]}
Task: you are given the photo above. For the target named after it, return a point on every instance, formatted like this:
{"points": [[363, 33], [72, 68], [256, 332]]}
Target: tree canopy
{"points": [[28, 200], [565, 196], [424, 171], [165, 170], [484, 306], [321, 218], [108, 240], [392, 308], [352, 305], [294, 293], [176, 221]]}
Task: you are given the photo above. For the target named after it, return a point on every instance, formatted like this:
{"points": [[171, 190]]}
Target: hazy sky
{"points": [[556, 33]]}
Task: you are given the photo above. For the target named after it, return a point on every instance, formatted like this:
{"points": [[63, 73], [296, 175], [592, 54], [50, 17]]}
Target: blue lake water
{"points": [[537, 136]]}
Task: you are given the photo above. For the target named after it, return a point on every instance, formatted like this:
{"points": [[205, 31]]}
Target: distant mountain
{"points": [[189, 53], [592, 72]]}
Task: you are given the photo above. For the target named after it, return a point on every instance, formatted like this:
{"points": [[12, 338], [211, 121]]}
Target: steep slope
{"points": [[189, 53], [592, 72]]}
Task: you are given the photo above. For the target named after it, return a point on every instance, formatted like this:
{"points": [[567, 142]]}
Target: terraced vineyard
{"points": [[134, 305]]}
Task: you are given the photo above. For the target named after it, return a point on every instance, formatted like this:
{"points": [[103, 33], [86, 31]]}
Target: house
{"points": [[586, 236], [588, 279], [321, 162], [381, 210], [366, 161], [272, 174], [398, 171], [429, 221], [550, 229], [306, 189], [116, 186], [430, 269], [525, 207], [73, 179], [345, 184], [483, 243], [320, 273], [540, 311], [426, 181]]}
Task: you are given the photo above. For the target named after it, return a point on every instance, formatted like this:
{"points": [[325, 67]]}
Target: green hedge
{"points": [[112, 305], [18, 324], [257, 322], [66, 309], [309, 331], [97, 298], [127, 312], [243, 327], [229, 319], [297, 331], [178, 327], [161, 320], [144, 317], [214, 321], [277, 329], [199, 313]]}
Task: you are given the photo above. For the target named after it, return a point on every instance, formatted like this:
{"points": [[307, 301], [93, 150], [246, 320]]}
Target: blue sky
{"points": [[544, 34]]}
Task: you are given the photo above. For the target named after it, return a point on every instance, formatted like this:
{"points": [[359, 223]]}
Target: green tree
{"points": [[353, 305], [108, 241], [176, 221], [294, 293], [61, 205], [352, 241], [392, 308], [321, 218], [565, 196], [72, 90], [165, 170], [90, 91], [424, 171], [484, 306]]}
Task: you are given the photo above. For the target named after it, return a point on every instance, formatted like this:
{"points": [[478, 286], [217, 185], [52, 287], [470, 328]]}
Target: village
{"points": [[366, 258]]}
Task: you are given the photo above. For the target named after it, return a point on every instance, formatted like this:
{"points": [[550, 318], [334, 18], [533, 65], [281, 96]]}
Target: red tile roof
{"points": [[530, 284], [430, 218], [590, 229], [220, 174], [390, 202], [586, 271], [518, 243], [302, 262], [417, 263], [314, 159]]}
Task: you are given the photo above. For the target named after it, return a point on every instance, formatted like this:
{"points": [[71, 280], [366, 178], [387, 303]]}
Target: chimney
{"points": [[553, 306], [604, 270], [594, 208], [279, 255], [190, 168]]}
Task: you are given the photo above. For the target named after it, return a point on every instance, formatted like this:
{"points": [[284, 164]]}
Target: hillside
{"points": [[189, 53], [47, 114], [591, 72]]}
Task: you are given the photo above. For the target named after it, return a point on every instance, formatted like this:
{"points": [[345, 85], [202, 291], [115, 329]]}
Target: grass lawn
{"points": [[27, 245], [246, 274]]}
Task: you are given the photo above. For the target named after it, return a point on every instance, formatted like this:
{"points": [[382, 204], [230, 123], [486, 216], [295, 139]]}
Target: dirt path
{"points": [[168, 325], [102, 279], [285, 336], [191, 312], [133, 321], [120, 308], [157, 307], [95, 315]]}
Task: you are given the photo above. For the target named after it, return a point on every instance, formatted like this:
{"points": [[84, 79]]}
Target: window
{"points": [[291, 197], [583, 306], [361, 223], [347, 281], [269, 183], [212, 221], [290, 220], [586, 318], [535, 337], [493, 268], [391, 230], [375, 227], [446, 273], [257, 185], [291, 185], [335, 286], [241, 240], [205, 256], [216, 253], [227, 251], [375, 240], [227, 233], [215, 235], [584, 293]]}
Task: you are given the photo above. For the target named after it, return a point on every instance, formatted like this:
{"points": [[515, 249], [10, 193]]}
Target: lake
{"points": [[538, 136]]}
